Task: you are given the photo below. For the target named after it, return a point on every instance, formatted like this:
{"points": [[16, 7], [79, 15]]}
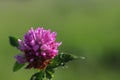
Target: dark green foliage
{"points": [[17, 66], [38, 76], [13, 41], [61, 60], [48, 73]]}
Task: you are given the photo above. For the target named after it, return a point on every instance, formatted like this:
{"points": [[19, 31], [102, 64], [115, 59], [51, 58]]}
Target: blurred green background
{"points": [[88, 28]]}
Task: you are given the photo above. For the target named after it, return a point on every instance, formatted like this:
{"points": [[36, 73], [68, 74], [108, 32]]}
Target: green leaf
{"points": [[17, 66], [61, 60], [38, 76], [13, 41], [49, 73]]}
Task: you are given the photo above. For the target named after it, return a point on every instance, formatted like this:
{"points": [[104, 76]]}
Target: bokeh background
{"points": [[89, 29]]}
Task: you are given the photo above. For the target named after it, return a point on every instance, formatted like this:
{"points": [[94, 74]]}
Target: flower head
{"points": [[39, 47]]}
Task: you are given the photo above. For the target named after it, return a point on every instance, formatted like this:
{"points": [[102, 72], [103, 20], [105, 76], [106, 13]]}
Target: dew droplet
{"points": [[62, 64]]}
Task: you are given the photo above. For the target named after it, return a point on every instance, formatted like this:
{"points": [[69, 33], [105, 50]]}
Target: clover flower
{"points": [[38, 47], [39, 50]]}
